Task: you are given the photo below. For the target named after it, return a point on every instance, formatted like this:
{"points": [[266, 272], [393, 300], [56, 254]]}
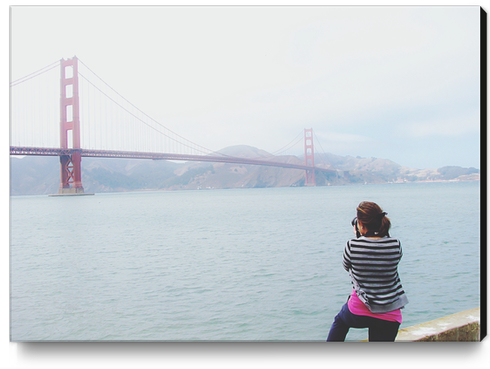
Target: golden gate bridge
{"points": [[45, 125]]}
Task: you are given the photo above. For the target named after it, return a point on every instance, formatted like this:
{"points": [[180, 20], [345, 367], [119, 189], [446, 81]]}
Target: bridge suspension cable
{"points": [[294, 142], [182, 140], [145, 123], [34, 108], [322, 158], [35, 74]]}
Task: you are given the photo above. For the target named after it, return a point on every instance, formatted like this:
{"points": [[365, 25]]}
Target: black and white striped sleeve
{"points": [[346, 261]]}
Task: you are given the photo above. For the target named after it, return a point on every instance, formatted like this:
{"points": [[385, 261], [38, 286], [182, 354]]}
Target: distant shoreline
{"points": [[240, 188]]}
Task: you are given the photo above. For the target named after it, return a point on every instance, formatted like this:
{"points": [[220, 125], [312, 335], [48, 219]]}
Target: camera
{"points": [[354, 224]]}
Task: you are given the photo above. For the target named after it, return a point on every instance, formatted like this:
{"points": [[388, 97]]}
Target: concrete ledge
{"points": [[459, 327]]}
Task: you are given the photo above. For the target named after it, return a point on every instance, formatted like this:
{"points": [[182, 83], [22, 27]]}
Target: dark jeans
{"points": [[379, 329]]}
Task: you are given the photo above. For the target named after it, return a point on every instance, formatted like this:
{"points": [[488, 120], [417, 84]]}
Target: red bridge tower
{"points": [[309, 158], [71, 173]]}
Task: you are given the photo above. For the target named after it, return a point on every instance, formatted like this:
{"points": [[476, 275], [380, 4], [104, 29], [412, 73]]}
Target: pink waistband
{"points": [[357, 307]]}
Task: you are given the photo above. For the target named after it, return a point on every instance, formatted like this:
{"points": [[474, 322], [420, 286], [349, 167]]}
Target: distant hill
{"points": [[34, 175], [38, 175], [376, 170]]}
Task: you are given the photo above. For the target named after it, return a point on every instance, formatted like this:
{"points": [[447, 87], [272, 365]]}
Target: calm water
{"points": [[248, 264]]}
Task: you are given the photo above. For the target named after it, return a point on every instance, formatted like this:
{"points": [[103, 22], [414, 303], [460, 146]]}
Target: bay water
{"points": [[228, 265]]}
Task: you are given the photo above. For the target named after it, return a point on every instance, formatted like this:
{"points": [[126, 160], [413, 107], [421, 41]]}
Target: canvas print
{"points": [[245, 174]]}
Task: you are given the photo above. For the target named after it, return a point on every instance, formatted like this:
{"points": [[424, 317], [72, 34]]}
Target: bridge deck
{"points": [[42, 151]]}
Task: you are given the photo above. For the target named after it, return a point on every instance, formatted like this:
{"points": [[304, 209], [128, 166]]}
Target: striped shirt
{"points": [[373, 266]]}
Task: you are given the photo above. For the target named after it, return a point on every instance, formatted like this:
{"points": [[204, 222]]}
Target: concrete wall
{"points": [[463, 326]]}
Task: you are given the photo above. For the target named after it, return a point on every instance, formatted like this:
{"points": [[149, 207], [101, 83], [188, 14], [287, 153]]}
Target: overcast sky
{"points": [[401, 83]]}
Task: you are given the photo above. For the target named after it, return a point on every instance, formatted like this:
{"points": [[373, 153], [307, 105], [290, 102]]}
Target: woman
{"points": [[372, 262]]}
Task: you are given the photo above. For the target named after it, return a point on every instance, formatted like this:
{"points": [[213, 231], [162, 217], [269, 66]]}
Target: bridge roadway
{"points": [[42, 151]]}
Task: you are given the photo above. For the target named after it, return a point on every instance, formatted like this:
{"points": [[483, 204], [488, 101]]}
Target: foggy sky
{"points": [[400, 83]]}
